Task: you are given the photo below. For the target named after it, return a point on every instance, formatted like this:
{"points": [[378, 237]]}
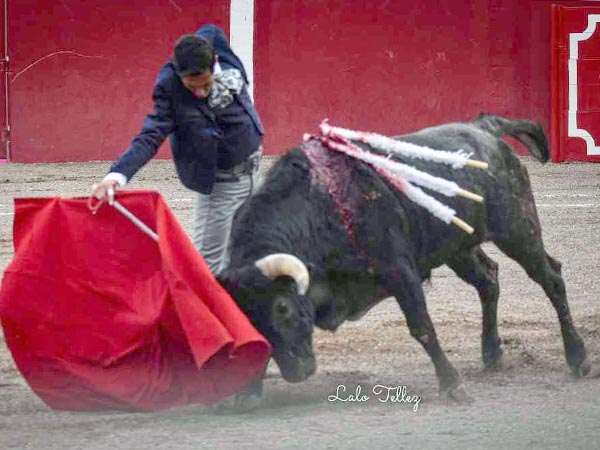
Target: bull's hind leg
{"points": [[477, 269], [405, 285], [525, 246]]}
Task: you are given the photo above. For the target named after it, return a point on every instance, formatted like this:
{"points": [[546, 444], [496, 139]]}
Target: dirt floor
{"points": [[532, 403]]}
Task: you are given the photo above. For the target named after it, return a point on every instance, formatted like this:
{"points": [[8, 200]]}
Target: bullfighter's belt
{"points": [[246, 167]]}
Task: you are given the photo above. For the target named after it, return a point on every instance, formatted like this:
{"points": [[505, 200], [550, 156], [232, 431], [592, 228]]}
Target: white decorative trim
{"points": [[241, 26], [574, 40]]}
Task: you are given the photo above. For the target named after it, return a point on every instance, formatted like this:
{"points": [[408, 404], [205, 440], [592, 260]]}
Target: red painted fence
{"points": [[81, 73]]}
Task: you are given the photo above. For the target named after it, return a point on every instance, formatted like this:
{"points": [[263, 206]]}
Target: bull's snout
{"points": [[298, 370]]}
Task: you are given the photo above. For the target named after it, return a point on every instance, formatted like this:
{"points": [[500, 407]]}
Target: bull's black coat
{"points": [[393, 246]]}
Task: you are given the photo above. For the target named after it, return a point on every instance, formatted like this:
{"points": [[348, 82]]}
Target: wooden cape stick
{"points": [[137, 222]]}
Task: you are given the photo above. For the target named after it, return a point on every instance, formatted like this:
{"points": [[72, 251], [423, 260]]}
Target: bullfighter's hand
{"points": [[105, 190]]}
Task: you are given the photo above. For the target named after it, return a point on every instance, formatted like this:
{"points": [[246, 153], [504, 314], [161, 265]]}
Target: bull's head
{"points": [[272, 294]]}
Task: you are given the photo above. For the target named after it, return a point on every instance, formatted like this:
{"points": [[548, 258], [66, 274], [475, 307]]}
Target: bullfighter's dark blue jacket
{"points": [[191, 123]]}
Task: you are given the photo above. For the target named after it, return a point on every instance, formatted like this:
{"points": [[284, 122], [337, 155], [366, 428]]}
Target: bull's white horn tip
{"points": [[278, 264]]}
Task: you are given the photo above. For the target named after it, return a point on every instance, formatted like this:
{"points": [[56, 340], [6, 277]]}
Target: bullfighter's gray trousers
{"points": [[213, 216]]}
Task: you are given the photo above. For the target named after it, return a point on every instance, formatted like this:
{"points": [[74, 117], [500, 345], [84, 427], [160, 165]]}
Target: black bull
{"points": [[391, 247]]}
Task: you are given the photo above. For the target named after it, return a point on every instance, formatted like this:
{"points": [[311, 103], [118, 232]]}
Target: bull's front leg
{"points": [[251, 397], [405, 285], [248, 400]]}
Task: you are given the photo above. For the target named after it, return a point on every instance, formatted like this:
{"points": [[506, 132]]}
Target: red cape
{"points": [[97, 315]]}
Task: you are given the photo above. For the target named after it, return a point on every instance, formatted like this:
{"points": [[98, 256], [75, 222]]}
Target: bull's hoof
{"points": [[493, 363], [594, 372], [457, 394], [238, 404], [245, 403], [582, 369], [492, 356]]}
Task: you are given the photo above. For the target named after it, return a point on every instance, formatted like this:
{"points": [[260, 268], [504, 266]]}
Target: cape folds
{"points": [[99, 316]]}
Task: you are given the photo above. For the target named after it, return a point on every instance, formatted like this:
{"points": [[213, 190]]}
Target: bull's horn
{"points": [[278, 264]]}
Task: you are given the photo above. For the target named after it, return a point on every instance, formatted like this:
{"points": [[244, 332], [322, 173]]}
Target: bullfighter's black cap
{"points": [[193, 55]]}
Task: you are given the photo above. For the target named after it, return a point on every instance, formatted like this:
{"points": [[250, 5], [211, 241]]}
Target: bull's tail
{"points": [[530, 134]]}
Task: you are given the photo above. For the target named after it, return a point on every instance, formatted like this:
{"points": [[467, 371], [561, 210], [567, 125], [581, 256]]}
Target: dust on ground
{"points": [[532, 403]]}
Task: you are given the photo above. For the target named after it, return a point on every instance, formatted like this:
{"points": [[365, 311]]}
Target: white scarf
{"points": [[226, 84]]}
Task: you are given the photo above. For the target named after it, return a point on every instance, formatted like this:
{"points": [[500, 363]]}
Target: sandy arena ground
{"points": [[532, 403]]}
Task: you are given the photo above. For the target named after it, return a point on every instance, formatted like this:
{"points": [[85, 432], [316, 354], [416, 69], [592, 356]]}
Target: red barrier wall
{"points": [[386, 66], [3, 97], [94, 64], [395, 67]]}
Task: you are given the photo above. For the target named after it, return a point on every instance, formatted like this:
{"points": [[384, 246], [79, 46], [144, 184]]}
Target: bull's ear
{"points": [[229, 281], [234, 279]]}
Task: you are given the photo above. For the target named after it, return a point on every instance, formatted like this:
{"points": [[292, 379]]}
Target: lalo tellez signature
{"points": [[381, 393]]}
